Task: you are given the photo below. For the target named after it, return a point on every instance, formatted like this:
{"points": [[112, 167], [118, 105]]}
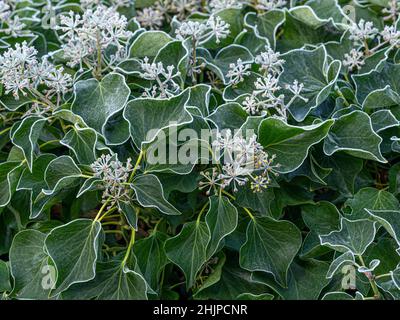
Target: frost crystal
{"points": [[391, 35], [217, 5]]}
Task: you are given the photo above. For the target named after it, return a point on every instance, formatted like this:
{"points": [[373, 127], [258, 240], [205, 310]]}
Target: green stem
{"points": [[371, 280], [128, 251], [137, 164]]}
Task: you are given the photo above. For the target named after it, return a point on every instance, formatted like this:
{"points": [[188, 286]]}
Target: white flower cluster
{"points": [[182, 8], [270, 4], [152, 18], [362, 31], [392, 12], [113, 3], [164, 77], [217, 5], [10, 24], [237, 71], [202, 32], [244, 160], [266, 93], [86, 37], [22, 72], [115, 177]]}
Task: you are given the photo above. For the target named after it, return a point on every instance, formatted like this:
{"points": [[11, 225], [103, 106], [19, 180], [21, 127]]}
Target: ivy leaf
{"points": [[379, 88], [188, 249], [228, 116], [149, 193], [306, 279], [29, 263], [372, 199], [151, 249], [220, 65], [344, 259], [382, 120], [74, 248], [353, 134], [322, 217], [231, 282], [5, 284], [221, 220], [82, 142], [270, 247], [289, 143], [62, 172], [389, 219], [96, 101], [9, 175], [148, 44], [113, 281], [147, 116], [308, 67], [200, 98], [354, 236], [25, 135]]}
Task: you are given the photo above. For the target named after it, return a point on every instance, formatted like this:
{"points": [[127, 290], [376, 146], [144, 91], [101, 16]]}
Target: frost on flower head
{"points": [[96, 30], [181, 8], [269, 61], [354, 60], [203, 31], [151, 18], [10, 23], [393, 11], [217, 5], [362, 31], [114, 175], [391, 35], [244, 160], [270, 4], [163, 77], [237, 71], [22, 72]]}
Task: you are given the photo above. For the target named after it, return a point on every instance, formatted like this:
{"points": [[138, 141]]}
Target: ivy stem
{"points": [[128, 251], [5, 131], [371, 280], [103, 207], [107, 213], [245, 209], [201, 212], [137, 164], [383, 276]]}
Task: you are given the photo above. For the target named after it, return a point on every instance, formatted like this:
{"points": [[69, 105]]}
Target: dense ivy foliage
{"points": [[305, 206]]}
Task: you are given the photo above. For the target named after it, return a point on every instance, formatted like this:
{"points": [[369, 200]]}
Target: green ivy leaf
{"points": [[188, 249], [82, 142], [148, 44], [289, 143], [96, 101], [221, 220], [353, 134], [29, 264], [74, 249], [149, 193], [306, 279], [25, 136], [270, 247], [389, 219], [372, 199], [151, 249], [5, 283], [147, 116], [354, 236]]}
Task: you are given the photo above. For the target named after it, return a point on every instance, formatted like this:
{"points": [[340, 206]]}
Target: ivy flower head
{"points": [[151, 18], [270, 4], [251, 105], [362, 31], [391, 35], [217, 5], [182, 8], [96, 29], [267, 86], [354, 60], [21, 72], [114, 175], [392, 12], [237, 71], [269, 61]]}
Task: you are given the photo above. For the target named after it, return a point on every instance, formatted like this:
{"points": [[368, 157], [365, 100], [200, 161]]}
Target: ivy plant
{"points": [[219, 149]]}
